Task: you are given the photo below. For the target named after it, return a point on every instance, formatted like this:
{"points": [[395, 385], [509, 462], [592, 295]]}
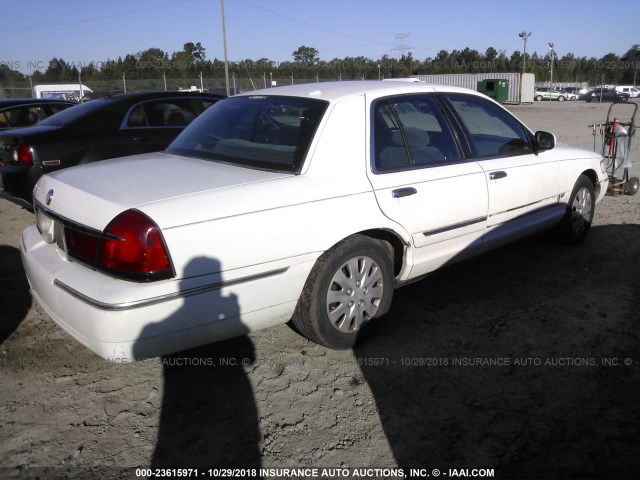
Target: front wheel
{"points": [[561, 98], [576, 222], [350, 285], [538, 98]]}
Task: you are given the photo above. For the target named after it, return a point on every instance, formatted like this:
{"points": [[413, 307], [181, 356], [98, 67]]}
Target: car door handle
{"points": [[403, 192], [143, 138], [497, 175]]}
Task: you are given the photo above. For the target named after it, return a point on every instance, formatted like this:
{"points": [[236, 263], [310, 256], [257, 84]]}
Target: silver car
{"points": [[544, 93]]}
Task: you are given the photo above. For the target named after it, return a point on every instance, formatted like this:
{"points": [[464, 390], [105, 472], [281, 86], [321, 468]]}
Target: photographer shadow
{"points": [[208, 417]]}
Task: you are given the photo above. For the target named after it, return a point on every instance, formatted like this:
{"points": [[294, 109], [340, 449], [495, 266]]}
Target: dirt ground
{"points": [[525, 361]]}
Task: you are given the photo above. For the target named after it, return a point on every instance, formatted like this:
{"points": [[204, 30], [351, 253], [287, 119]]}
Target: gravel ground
{"points": [[515, 361]]}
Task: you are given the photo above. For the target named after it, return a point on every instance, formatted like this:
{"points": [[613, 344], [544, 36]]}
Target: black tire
{"points": [[30, 182], [575, 225], [561, 98], [538, 98], [631, 186], [338, 324]]}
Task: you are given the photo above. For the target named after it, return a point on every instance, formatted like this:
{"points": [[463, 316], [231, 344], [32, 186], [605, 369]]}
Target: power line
{"points": [[307, 24], [94, 19]]}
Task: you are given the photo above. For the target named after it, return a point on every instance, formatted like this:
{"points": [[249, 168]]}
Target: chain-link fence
{"points": [[115, 86]]}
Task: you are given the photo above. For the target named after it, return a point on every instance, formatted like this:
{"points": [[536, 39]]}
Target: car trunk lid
{"points": [[93, 194]]}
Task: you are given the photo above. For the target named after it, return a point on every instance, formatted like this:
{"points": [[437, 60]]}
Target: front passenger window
{"points": [[493, 131]]}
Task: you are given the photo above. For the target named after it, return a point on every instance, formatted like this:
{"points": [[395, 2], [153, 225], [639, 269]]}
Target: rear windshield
{"points": [[266, 132], [70, 115]]}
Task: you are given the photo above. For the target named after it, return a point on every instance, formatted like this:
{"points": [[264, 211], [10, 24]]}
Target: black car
{"points": [[605, 95], [24, 112], [102, 128]]}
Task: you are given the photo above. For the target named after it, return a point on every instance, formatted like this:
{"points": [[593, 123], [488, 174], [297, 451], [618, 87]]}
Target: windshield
{"points": [[72, 114], [266, 132]]}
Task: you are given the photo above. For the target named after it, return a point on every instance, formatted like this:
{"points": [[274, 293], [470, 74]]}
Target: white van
{"points": [[62, 91], [630, 89]]}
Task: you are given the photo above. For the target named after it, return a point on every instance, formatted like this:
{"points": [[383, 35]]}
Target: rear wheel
{"points": [[538, 98], [349, 286], [561, 98], [576, 222]]}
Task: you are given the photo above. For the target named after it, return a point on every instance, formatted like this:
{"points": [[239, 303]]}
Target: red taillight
{"points": [[81, 245], [132, 245], [22, 154]]}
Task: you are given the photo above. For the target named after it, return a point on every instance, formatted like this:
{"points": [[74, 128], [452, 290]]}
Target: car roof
{"points": [[10, 102], [331, 91], [135, 96]]}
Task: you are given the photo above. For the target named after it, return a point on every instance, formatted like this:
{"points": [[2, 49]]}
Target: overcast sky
{"points": [[81, 31]]}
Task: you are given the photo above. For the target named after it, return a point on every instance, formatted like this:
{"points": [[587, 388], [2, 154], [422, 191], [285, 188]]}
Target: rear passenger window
{"points": [[493, 131], [410, 131], [24, 116], [162, 113]]}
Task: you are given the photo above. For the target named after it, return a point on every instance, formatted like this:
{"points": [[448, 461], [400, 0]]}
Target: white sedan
{"points": [[308, 204]]}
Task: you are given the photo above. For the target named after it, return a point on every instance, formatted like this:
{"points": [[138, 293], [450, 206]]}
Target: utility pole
{"points": [[224, 43], [551, 76]]}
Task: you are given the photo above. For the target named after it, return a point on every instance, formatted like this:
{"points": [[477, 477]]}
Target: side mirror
{"points": [[544, 141]]}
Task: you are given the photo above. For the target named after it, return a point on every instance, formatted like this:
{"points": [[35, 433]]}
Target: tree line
{"points": [[191, 62]]}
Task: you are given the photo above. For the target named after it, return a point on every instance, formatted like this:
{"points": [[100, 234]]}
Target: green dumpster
{"points": [[496, 89]]}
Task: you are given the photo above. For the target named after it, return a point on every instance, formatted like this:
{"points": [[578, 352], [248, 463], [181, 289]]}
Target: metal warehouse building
{"points": [[520, 89]]}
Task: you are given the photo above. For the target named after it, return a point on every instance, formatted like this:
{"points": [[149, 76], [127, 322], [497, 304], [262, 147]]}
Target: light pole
{"points": [[551, 76], [524, 36]]}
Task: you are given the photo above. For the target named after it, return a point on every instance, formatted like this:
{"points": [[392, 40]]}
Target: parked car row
{"points": [[595, 94], [96, 130], [307, 203]]}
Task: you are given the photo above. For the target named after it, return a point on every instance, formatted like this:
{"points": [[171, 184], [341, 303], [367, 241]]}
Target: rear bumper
{"points": [[125, 321]]}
